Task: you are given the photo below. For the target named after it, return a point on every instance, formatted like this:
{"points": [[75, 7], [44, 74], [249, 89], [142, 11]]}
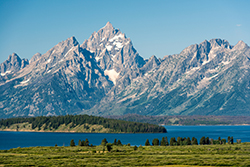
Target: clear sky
{"points": [[156, 27]]}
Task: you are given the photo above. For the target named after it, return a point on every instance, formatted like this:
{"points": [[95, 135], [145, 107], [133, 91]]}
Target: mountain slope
{"points": [[64, 80], [211, 78], [105, 75]]}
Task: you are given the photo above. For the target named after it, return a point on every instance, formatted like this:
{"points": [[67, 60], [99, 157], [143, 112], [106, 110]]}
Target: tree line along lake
{"points": [[10, 140]]}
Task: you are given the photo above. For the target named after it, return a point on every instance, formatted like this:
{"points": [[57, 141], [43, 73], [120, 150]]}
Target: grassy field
{"points": [[172, 156]]}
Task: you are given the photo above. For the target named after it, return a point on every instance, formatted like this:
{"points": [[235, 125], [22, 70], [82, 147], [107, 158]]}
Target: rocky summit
{"points": [[105, 75]]}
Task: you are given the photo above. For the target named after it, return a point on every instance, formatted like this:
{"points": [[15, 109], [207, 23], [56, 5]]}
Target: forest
{"points": [[186, 120], [54, 122]]}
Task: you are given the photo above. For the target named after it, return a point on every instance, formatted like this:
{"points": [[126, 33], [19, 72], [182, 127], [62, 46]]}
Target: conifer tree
{"points": [[109, 147], [228, 140], [72, 143], [83, 143], [155, 142], [79, 143], [195, 142], [86, 142], [178, 141], [104, 142], [202, 141], [115, 143], [172, 141], [231, 140], [207, 140], [119, 143], [147, 143], [163, 142], [188, 141]]}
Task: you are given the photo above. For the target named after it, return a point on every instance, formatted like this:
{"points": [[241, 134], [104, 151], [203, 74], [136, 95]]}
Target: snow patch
{"points": [[7, 72], [112, 57], [23, 82], [49, 71], [97, 58], [109, 47], [205, 62], [192, 70], [49, 60], [118, 45], [103, 38], [127, 42], [213, 76], [225, 62], [116, 37], [68, 52], [112, 74]]}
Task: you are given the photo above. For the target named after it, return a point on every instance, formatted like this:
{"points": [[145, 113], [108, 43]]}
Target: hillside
{"points": [[186, 120], [106, 75], [77, 123]]}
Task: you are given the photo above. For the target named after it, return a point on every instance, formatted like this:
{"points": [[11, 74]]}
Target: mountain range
{"points": [[105, 75]]}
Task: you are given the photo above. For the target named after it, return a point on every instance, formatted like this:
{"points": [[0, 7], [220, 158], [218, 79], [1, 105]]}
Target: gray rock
{"points": [[106, 76]]}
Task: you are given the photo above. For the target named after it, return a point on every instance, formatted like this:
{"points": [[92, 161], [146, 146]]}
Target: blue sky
{"points": [[156, 27]]}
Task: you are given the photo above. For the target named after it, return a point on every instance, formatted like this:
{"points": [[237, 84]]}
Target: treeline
{"points": [[53, 122], [187, 141], [181, 141], [185, 120]]}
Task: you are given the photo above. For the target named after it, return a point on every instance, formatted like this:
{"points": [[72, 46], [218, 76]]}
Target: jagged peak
{"points": [[153, 57], [13, 56], [217, 42], [108, 26], [35, 57], [240, 45], [72, 40]]}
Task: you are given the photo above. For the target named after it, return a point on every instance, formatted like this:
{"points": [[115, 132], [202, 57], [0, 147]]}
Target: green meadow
{"points": [[172, 156]]}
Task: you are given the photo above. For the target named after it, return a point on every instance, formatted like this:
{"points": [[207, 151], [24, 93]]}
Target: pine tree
{"points": [[109, 147], [202, 141], [86, 142], [72, 143], [228, 140], [83, 143], [163, 142], [80, 143], [119, 143], [195, 142], [172, 141], [178, 141], [232, 140], [211, 141], [147, 143], [115, 143], [104, 142], [155, 142], [166, 140], [207, 140], [219, 139], [188, 141]]}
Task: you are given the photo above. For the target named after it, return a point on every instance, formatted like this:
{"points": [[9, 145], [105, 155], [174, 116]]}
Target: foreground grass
{"points": [[171, 156]]}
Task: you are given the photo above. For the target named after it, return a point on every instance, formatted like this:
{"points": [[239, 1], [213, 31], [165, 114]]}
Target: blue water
{"points": [[10, 140]]}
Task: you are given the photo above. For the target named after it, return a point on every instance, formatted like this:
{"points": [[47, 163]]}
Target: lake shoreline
{"points": [[206, 125], [12, 130], [13, 139]]}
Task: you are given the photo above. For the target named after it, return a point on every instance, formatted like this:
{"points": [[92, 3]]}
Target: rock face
{"points": [[106, 76], [13, 64]]}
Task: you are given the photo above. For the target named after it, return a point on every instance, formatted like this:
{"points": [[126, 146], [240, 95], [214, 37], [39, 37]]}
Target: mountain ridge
{"points": [[105, 75]]}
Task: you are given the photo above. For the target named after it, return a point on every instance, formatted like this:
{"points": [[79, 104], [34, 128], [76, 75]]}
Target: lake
{"points": [[10, 140]]}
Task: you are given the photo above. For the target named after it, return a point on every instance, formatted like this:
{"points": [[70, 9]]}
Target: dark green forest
{"points": [[53, 122]]}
